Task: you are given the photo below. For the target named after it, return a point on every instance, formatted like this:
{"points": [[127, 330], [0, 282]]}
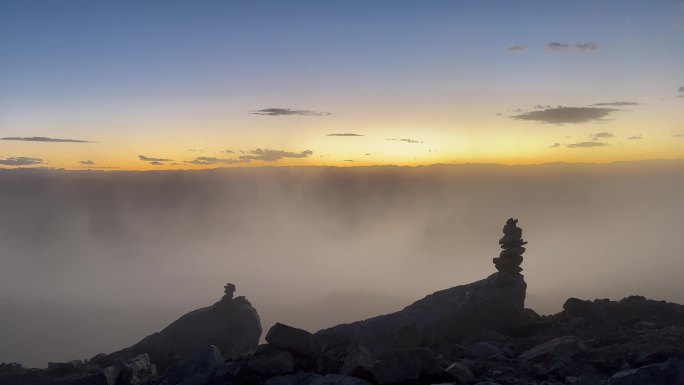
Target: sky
{"points": [[142, 85]]}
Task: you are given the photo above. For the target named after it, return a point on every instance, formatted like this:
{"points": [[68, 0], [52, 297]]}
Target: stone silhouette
{"points": [[228, 291], [510, 259]]}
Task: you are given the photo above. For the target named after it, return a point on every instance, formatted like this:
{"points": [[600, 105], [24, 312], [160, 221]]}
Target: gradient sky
{"points": [[174, 84]]}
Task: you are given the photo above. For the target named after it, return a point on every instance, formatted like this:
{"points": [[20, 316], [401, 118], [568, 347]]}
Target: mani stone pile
{"points": [[512, 244]]}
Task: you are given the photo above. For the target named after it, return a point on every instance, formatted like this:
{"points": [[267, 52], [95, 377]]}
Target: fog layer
{"points": [[94, 261]]}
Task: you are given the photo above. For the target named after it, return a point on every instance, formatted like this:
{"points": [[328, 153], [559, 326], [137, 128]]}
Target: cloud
{"points": [[21, 161], [634, 137], [586, 46], [344, 134], [287, 112], [348, 160], [258, 154], [195, 150], [617, 104], [148, 159], [678, 134], [228, 152], [560, 115], [516, 48], [587, 145], [555, 145], [267, 155], [681, 89], [45, 140], [602, 135], [555, 46], [87, 162], [155, 163], [406, 140], [209, 160]]}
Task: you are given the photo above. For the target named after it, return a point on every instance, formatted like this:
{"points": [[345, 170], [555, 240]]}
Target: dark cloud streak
{"points": [[45, 139], [288, 112], [560, 115]]}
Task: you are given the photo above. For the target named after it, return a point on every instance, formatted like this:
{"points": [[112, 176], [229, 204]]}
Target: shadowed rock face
{"points": [[494, 303], [232, 325]]}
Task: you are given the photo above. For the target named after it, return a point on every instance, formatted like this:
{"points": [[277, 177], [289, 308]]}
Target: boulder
{"points": [[669, 372], [590, 312], [358, 361], [460, 373], [483, 351], [205, 367], [232, 325], [137, 370], [550, 350], [272, 363], [297, 341], [406, 365], [495, 303], [304, 378]]}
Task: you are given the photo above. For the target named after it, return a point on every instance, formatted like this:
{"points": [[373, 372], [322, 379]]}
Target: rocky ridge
{"points": [[478, 333]]}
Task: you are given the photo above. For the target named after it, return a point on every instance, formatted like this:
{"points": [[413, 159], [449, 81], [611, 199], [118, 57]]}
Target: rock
{"points": [[483, 351], [233, 326], [304, 378], [510, 257], [358, 361], [555, 348], [137, 370], [336, 379], [460, 373], [670, 372], [589, 311], [272, 363], [297, 341], [406, 365], [205, 367], [495, 303]]}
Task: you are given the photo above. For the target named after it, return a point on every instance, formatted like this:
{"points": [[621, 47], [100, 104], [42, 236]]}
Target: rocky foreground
{"points": [[478, 333], [443, 338]]}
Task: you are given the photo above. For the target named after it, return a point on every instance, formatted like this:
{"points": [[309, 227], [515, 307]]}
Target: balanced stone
{"points": [[510, 259]]}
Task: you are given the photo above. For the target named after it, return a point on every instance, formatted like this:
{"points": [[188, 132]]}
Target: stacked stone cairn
{"points": [[510, 259], [228, 292]]}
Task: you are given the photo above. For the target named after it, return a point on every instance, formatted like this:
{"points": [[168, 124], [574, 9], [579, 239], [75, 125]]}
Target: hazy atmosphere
{"points": [[338, 160], [109, 257]]}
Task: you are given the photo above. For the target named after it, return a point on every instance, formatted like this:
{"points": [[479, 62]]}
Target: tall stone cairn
{"points": [[510, 259]]}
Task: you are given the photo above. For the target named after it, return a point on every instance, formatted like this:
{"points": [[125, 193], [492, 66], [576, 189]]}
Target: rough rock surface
{"points": [[495, 303], [232, 325], [297, 341]]}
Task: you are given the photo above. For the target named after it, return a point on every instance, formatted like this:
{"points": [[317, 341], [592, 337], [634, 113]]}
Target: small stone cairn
{"points": [[510, 259], [228, 290]]}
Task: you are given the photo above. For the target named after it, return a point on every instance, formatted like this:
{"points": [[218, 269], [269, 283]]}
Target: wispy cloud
{"points": [[555, 145], [587, 145], [344, 134], [555, 46], [516, 48], [617, 104], [267, 155], [678, 134], [155, 163], [634, 137], [407, 140], [21, 161], [288, 112], [148, 159], [209, 160], [560, 115], [45, 139], [258, 154], [602, 135], [228, 151], [681, 89], [87, 162]]}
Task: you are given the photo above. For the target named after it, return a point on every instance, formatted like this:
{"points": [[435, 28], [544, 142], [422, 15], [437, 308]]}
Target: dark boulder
{"points": [[495, 303], [272, 362], [670, 372], [401, 366], [297, 341], [592, 313], [233, 326], [205, 367]]}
